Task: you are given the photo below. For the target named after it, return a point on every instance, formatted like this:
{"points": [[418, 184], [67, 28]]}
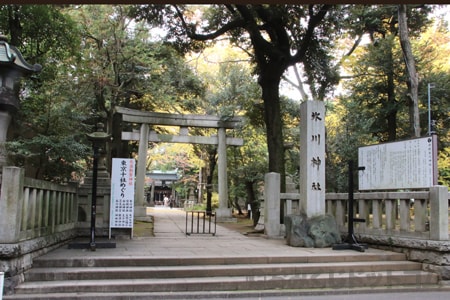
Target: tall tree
{"points": [[432, 51], [275, 36], [413, 82], [380, 24], [124, 66], [48, 138], [231, 91], [360, 116]]}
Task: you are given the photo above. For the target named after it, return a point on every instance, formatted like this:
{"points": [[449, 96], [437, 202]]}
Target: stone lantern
{"points": [[12, 68], [98, 139]]}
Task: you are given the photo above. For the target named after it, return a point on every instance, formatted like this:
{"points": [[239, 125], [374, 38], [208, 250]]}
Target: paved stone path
{"points": [[170, 240]]}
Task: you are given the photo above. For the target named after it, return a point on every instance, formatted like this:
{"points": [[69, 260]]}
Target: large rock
{"points": [[319, 232], [297, 231]]}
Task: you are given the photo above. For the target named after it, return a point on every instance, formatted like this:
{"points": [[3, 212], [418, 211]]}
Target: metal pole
{"points": [[350, 200], [430, 86], [2, 277], [94, 197]]}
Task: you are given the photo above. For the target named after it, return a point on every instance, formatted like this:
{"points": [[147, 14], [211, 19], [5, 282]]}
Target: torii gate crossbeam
{"points": [[183, 121]]}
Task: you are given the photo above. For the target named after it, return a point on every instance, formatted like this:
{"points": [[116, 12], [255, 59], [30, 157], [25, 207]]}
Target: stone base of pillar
{"points": [[272, 229], [140, 211], [224, 215]]}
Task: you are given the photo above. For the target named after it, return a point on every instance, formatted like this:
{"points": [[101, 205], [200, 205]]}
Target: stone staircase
{"points": [[220, 277]]}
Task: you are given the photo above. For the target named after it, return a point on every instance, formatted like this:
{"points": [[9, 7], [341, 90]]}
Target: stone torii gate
{"points": [[144, 136]]}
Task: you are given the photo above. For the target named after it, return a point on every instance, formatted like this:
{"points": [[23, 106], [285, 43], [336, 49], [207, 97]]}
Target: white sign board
{"points": [[397, 165], [122, 193]]}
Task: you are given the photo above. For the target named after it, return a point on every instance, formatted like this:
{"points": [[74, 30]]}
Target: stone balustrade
{"points": [[37, 208], [420, 214], [417, 214], [35, 217], [414, 223]]}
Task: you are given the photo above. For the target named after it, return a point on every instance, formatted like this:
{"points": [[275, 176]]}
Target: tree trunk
{"points": [[269, 83], [209, 178], [391, 108], [250, 193], [391, 105], [238, 207], [413, 83], [251, 199], [15, 29]]}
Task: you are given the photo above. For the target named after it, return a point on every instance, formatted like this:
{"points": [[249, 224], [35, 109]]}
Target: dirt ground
{"points": [[143, 229], [243, 225]]}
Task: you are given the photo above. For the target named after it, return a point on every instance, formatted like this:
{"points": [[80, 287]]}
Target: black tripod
{"points": [[351, 242]]}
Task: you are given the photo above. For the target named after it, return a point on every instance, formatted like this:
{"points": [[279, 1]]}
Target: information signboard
{"points": [[406, 164], [122, 193]]}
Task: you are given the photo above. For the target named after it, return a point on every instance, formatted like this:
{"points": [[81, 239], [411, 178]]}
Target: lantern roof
{"points": [[11, 56]]}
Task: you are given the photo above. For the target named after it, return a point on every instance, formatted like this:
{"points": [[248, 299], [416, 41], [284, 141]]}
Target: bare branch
{"points": [[355, 45], [313, 22], [299, 85], [190, 30]]}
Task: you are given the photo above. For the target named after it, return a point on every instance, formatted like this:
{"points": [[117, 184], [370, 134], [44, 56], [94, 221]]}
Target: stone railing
{"points": [[35, 217], [422, 215], [33, 208], [414, 223]]}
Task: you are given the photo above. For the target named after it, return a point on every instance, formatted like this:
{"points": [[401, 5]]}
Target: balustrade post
{"points": [[377, 213], [340, 213], [420, 215], [405, 217], [390, 213], [439, 213], [272, 224], [363, 211], [11, 197]]}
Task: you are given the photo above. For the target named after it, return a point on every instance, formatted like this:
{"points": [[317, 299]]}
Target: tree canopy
{"points": [[96, 57], [274, 36]]}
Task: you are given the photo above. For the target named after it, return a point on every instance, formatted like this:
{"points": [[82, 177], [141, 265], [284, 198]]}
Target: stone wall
{"points": [[435, 255], [17, 258]]}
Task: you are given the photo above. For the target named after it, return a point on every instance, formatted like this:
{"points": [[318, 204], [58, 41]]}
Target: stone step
{"points": [[233, 283], [250, 294], [339, 256], [186, 271], [92, 277]]}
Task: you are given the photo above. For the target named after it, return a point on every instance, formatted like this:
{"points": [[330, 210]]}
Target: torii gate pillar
{"points": [[140, 209], [223, 212]]}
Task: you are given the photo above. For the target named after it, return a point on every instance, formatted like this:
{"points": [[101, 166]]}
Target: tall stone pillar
{"points": [[139, 199], [223, 212], [312, 158]]}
